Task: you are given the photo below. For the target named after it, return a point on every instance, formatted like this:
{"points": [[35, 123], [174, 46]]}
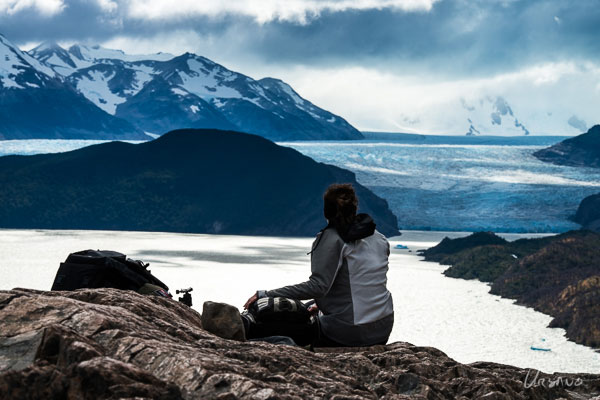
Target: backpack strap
{"points": [[319, 236]]}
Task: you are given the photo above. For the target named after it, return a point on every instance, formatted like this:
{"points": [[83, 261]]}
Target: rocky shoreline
{"points": [[578, 151], [106, 343], [557, 275]]}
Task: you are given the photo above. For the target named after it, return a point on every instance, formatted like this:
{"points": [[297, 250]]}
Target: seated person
{"points": [[349, 264]]}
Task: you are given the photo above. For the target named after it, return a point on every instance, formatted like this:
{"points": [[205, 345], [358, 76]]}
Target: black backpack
{"points": [[104, 269], [279, 309], [279, 316]]}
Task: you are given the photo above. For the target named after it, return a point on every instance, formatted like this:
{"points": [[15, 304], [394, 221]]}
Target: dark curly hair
{"points": [[340, 205]]}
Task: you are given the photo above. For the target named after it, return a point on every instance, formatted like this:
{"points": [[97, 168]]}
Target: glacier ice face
{"points": [[465, 187]]}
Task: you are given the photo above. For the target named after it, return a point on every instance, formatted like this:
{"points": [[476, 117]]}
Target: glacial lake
{"points": [[456, 316]]}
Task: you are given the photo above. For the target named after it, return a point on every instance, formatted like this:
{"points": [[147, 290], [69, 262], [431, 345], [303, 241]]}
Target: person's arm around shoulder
{"points": [[325, 257]]}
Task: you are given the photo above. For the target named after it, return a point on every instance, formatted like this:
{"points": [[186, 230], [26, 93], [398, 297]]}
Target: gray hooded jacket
{"points": [[348, 282]]}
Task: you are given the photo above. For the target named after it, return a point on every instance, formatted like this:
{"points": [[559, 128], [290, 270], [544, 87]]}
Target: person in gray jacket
{"points": [[349, 264]]}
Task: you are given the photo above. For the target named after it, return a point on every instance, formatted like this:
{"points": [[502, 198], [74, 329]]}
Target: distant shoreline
{"points": [[405, 234], [44, 146]]}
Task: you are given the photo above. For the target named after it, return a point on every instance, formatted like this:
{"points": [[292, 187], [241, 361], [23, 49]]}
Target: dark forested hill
{"points": [[186, 181]]}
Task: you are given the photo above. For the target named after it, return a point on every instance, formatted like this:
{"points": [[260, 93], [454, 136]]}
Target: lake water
{"points": [[456, 316]]}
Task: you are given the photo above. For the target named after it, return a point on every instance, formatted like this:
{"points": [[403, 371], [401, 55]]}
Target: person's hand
{"points": [[250, 301], [313, 309]]}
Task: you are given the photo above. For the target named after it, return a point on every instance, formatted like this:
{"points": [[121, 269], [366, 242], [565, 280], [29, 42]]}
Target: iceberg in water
{"points": [[542, 345]]}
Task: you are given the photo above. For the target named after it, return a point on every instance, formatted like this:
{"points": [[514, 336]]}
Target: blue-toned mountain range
{"points": [[89, 92], [36, 103]]}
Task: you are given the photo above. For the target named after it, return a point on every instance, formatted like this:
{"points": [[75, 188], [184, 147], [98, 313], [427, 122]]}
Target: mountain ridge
{"points": [[36, 104], [216, 97]]}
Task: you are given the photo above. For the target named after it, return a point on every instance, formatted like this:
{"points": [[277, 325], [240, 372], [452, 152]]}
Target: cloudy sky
{"points": [[391, 65]]}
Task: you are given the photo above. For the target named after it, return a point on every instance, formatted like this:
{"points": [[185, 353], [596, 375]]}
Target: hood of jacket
{"points": [[362, 227]]}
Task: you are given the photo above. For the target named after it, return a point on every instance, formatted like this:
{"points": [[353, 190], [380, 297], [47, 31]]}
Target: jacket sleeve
{"points": [[324, 263]]}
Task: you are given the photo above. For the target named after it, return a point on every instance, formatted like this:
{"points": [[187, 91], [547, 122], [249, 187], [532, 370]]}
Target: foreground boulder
{"points": [[106, 343]]}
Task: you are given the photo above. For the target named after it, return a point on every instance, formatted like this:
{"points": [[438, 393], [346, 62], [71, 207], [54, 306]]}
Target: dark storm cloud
{"points": [[86, 21], [472, 37], [457, 37]]}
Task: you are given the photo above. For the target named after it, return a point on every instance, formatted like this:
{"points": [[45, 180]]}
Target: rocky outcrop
{"points": [[191, 181], [452, 246], [556, 275], [588, 213], [108, 344], [580, 151], [576, 306]]}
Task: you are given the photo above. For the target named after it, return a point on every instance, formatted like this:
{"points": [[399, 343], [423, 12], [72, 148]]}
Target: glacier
{"points": [[464, 186]]}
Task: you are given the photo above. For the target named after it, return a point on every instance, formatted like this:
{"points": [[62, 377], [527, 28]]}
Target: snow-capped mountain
{"points": [[160, 92], [65, 62], [36, 103], [20, 70], [501, 112], [492, 115], [55, 56]]}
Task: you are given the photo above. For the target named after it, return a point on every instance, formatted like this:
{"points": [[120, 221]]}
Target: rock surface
{"points": [[557, 275], [580, 151], [108, 344]]}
